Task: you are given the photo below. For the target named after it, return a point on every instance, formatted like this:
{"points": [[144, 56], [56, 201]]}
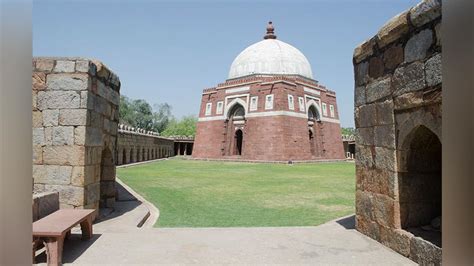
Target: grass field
{"points": [[223, 194]]}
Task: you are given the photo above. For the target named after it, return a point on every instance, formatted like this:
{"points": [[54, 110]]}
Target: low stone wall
{"points": [[44, 204], [75, 118], [398, 122], [137, 145]]}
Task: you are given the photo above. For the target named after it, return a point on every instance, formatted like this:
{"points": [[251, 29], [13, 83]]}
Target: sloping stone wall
{"points": [[75, 118], [136, 145], [397, 93]]}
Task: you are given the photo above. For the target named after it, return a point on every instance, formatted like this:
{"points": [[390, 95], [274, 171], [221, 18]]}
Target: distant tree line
{"points": [[139, 113], [348, 131]]}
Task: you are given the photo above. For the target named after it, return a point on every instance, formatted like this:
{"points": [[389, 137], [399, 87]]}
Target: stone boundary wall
{"points": [[75, 118], [269, 162], [137, 145], [397, 90]]}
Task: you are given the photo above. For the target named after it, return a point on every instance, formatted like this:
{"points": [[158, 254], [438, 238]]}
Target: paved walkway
{"points": [[119, 241]]}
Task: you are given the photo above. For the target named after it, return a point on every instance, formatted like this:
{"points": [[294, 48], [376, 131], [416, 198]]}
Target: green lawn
{"points": [[222, 194]]}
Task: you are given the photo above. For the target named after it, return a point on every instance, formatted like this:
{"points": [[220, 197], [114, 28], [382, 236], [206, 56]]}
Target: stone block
{"points": [[433, 70], [408, 100], [393, 29], [73, 117], [39, 81], [367, 115], [363, 156], [82, 66], [38, 136], [48, 135], [378, 89], [58, 100], [359, 96], [107, 93], [45, 65], [68, 82], [384, 210], [37, 119], [52, 174], [34, 100], [425, 11], [361, 72], [50, 117], [94, 137], [438, 34], [385, 136], [37, 154], [64, 155], [385, 159], [393, 56], [107, 189], [385, 114], [93, 193], [409, 78], [87, 102], [365, 136], [64, 66], [80, 135], [367, 227], [63, 135], [46, 202], [397, 239], [364, 50], [424, 252], [68, 195], [83, 175], [376, 67], [364, 205], [417, 46]]}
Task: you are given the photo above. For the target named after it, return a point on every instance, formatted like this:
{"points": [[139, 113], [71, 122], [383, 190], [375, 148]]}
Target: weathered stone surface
{"points": [[52, 174], [39, 81], [365, 136], [38, 136], [433, 70], [378, 89], [393, 56], [409, 78], [87, 100], [34, 100], [37, 119], [385, 112], [44, 65], [385, 158], [69, 195], [364, 205], [393, 29], [367, 115], [82, 66], [383, 207], [376, 67], [425, 11], [359, 96], [37, 154], [93, 137], [58, 99], [50, 117], [367, 227], [83, 175], [64, 155], [63, 135], [408, 100], [385, 136], [418, 45], [438, 34], [361, 73], [93, 193], [397, 239], [107, 93], [364, 156], [80, 135], [64, 66], [424, 253], [101, 106], [68, 82], [47, 203], [364, 50], [73, 117], [48, 135]]}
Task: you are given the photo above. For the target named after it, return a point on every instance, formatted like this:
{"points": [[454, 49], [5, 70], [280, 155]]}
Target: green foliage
{"points": [[186, 126], [225, 194], [139, 113], [347, 131]]}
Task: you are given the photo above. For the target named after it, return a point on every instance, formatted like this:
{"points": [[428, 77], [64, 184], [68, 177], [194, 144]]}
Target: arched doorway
{"points": [[420, 184], [238, 142], [124, 156], [313, 116]]}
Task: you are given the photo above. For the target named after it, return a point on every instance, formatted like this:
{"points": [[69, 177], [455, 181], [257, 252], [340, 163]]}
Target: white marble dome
{"points": [[270, 56]]}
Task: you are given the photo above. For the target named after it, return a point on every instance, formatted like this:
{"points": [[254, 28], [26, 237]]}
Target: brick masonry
{"points": [[279, 133], [398, 86], [75, 118]]}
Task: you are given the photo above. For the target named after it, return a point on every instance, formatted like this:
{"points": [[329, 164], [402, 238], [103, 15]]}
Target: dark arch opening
{"points": [[237, 112], [420, 185], [313, 114], [238, 142], [124, 156], [138, 154]]}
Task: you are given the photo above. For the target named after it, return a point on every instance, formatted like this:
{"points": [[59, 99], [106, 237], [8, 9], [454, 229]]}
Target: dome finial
{"points": [[270, 32]]}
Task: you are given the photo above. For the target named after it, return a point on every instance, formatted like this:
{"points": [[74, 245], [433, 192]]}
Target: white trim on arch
{"points": [[235, 101], [316, 104]]}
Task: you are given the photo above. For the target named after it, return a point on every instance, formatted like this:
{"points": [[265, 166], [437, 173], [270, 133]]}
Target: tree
{"points": [[347, 131], [139, 113], [161, 117], [186, 126]]}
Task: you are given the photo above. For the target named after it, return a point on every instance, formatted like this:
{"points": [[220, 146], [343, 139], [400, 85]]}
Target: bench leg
{"points": [[54, 250], [86, 228]]}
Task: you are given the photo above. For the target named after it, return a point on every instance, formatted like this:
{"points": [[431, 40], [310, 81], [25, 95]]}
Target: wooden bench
{"points": [[54, 228]]}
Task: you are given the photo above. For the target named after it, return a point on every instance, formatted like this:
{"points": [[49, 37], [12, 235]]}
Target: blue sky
{"points": [[167, 51]]}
